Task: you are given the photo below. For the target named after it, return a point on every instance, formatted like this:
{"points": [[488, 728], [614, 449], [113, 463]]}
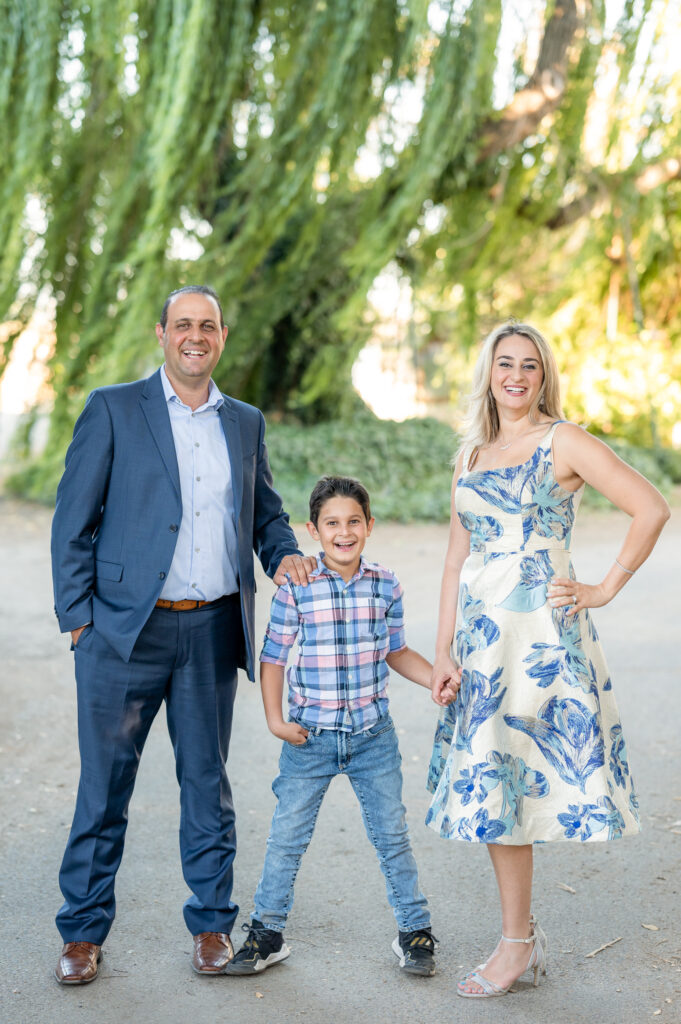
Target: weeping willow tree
{"points": [[283, 153]]}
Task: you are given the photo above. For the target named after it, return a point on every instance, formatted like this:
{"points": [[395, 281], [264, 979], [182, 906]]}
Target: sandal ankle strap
{"points": [[527, 941]]}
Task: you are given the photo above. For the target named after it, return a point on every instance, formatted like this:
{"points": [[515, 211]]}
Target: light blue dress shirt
{"points": [[204, 565]]}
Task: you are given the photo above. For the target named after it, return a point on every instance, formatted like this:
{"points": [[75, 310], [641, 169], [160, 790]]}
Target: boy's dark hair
{"points": [[189, 289], [338, 487]]}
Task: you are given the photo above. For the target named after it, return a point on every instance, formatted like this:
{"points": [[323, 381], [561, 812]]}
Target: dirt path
{"points": [[342, 969]]}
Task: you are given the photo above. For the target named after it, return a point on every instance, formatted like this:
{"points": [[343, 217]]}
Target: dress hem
{"points": [[597, 837]]}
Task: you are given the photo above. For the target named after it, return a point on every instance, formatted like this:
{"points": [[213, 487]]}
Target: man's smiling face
{"points": [[193, 339]]}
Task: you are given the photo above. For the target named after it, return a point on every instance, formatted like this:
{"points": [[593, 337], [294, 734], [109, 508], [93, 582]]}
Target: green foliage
{"points": [[404, 466], [242, 128]]}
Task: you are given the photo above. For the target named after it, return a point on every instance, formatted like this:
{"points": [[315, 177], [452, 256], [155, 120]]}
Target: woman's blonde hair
{"points": [[482, 422]]}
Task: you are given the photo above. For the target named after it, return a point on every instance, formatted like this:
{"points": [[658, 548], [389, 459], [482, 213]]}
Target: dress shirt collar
{"points": [[215, 399]]}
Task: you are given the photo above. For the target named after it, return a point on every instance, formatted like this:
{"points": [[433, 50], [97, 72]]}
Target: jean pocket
{"points": [[300, 746], [379, 727]]}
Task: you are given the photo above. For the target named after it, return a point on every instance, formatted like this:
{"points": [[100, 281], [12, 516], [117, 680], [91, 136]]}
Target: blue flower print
{"points": [[475, 783], [477, 631], [445, 725], [480, 828], [619, 765], [530, 593], [607, 685], [482, 529], [577, 821], [549, 514], [434, 772], [633, 802], [565, 660], [569, 737], [440, 791], [444, 733], [593, 634], [500, 487], [446, 825], [612, 818], [479, 697], [584, 820], [495, 556], [517, 782]]}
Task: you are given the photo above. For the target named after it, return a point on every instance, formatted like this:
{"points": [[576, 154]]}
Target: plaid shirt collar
{"points": [[323, 569]]}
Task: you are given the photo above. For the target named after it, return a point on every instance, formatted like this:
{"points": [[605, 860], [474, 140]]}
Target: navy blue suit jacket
{"points": [[119, 508]]}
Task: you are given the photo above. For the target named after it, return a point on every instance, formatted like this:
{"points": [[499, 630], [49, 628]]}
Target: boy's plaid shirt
{"points": [[345, 631]]}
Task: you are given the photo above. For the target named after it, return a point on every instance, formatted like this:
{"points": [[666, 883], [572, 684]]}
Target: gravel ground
{"points": [[341, 969]]}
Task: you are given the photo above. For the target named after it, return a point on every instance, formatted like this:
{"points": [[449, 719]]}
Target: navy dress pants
{"points": [[188, 659]]}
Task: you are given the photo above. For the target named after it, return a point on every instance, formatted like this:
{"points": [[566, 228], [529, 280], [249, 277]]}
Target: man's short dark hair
{"points": [[338, 487], [200, 289]]}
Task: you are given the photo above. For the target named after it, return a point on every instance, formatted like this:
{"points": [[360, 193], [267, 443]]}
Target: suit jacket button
{"points": [[173, 527], [161, 575]]}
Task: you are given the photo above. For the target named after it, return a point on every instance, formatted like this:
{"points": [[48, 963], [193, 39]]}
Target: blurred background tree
{"points": [[504, 158]]}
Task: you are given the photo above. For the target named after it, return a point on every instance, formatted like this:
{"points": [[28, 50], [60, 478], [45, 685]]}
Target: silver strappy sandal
{"points": [[536, 963]]}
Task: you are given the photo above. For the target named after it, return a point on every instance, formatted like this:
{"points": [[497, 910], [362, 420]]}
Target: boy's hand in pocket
{"points": [[291, 732]]}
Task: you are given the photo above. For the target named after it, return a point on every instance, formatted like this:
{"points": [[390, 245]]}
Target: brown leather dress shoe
{"points": [[78, 963], [212, 952]]}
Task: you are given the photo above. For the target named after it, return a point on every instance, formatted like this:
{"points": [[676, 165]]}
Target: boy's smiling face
{"points": [[342, 529]]}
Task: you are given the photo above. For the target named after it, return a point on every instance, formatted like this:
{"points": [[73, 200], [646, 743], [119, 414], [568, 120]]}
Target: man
{"points": [[166, 493]]}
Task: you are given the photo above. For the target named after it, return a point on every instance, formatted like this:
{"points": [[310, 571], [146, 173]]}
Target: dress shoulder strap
{"points": [[467, 453], [547, 439]]}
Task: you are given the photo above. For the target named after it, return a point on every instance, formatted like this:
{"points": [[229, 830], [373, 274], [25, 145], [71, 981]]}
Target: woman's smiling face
{"points": [[517, 373]]}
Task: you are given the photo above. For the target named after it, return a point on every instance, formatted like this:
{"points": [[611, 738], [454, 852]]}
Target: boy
{"points": [[349, 626]]}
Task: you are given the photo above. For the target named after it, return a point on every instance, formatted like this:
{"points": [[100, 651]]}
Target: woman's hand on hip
{"points": [[575, 596]]}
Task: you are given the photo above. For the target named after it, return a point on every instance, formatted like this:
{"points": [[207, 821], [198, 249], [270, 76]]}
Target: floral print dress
{"points": [[532, 749]]}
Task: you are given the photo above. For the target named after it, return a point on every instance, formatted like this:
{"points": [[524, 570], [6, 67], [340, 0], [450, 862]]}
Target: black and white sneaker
{"points": [[263, 948], [416, 951]]}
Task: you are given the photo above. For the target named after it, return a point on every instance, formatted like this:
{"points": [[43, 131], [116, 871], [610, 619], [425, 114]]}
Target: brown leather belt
{"points": [[181, 606]]}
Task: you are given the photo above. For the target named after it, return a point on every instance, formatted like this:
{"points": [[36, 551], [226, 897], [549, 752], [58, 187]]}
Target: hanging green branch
{"points": [[236, 127]]}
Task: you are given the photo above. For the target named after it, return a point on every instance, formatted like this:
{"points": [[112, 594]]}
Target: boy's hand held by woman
{"points": [[445, 681]]}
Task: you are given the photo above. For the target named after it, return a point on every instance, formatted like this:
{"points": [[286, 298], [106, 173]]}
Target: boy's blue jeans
{"points": [[371, 760]]}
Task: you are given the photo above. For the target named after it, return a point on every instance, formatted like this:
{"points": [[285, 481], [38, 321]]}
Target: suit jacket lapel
{"points": [[230, 426], [155, 410]]}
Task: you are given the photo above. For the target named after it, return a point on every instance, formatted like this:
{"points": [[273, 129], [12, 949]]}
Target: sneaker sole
{"points": [[259, 965], [426, 971]]}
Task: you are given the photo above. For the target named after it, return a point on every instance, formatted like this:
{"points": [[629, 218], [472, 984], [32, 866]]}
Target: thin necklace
{"points": [[503, 447]]}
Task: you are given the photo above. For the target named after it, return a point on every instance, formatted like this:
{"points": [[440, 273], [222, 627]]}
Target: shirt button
{"points": [[194, 586], [161, 575], [198, 513], [196, 444], [197, 550], [173, 527], [198, 478]]}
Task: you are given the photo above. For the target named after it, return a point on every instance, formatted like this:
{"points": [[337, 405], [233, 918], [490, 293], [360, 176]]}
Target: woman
{"points": [[532, 750]]}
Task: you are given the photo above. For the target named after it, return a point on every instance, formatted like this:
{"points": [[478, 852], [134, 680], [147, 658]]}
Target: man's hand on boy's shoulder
{"points": [[289, 731], [295, 569]]}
